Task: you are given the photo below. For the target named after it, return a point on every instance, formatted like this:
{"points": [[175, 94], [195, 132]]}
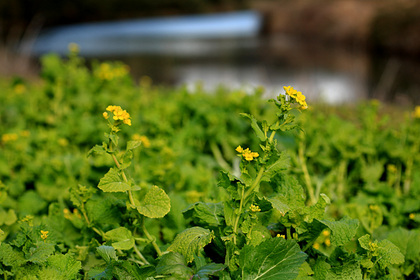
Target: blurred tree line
{"points": [[17, 15]]}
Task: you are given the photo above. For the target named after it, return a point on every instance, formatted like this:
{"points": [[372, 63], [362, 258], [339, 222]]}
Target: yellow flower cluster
{"points": [[119, 114], [416, 113], [107, 72], [247, 154], [297, 95], [44, 234], [19, 88], [8, 137], [254, 208]]}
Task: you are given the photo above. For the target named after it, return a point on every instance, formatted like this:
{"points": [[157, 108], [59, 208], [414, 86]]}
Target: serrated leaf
{"points": [[108, 253], [342, 231], [113, 182], [364, 241], [155, 204], [281, 164], [388, 253], [210, 214], [10, 257], [67, 267], [122, 238], [273, 259], [254, 124], [131, 145], [347, 271], [100, 150], [40, 253], [189, 242], [174, 264]]}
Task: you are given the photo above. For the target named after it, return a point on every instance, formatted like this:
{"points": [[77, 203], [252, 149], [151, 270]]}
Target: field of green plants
{"points": [[103, 177]]}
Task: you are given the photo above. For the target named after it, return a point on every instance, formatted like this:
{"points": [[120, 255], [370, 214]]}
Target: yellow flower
{"points": [[247, 154], [316, 246], [326, 232], [327, 242], [19, 89], [239, 149], [281, 235], [119, 114], [44, 234], [392, 168], [67, 214], [254, 208], [144, 140], [9, 137], [412, 216], [416, 113], [298, 96]]}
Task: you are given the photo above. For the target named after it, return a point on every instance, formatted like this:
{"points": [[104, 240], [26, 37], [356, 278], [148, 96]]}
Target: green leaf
{"points": [[388, 253], [282, 163], [131, 145], [65, 265], [155, 204], [364, 242], [113, 182], [347, 271], [254, 124], [7, 218], [100, 150], [122, 238], [174, 264], [407, 241], [40, 253], [108, 253], [342, 231], [274, 259], [189, 242], [210, 214], [10, 257], [210, 269]]}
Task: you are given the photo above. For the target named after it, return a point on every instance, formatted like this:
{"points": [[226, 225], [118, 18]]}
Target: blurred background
{"points": [[332, 50]]}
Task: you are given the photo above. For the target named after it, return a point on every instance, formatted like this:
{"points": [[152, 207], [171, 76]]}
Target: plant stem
{"points": [[140, 254], [288, 233], [235, 226], [272, 136], [256, 182], [219, 158], [308, 182], [151, 238]]}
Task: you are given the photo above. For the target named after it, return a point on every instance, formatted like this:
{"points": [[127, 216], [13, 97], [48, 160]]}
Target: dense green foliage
{"points": [[174, 196]]}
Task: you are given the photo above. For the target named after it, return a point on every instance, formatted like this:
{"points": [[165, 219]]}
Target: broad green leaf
{"points": [[155, 204], [122, 238], [113, 182], [7, 218], [254, 124], [210, 269], [317, 211], [281, 164], [210, 214], [40, 253], [305, 272], [388, 253], [273, 259], [364, 241], [407, 241], [342, 231], [10, 257], [144, 272], [131, 145], [108, 253], [100, 150], [66, 266], [174, 264], [347, 271], [189, 242]]}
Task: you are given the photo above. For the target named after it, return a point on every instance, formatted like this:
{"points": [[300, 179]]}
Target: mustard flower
{"points": [[281, 235], [44, 234], [247, 154], [296, 95], [144, 140], [254, 208], [118, 114], [412, 216]]}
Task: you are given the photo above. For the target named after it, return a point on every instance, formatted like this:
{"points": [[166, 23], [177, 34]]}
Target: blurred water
{"points": [[227, 49]]}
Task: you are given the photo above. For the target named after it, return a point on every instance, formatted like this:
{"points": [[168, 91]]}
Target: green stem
{"points": [[140, 254], [151, 238], [235, 226], [288, 233], [256, 183], [308, 182], [272, 136], [218, 156], [407, 175]]}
